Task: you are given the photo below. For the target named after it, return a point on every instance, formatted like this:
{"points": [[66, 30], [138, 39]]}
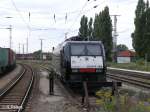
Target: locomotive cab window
{"points": [[77, 49], [93, 50], [86, 49]]}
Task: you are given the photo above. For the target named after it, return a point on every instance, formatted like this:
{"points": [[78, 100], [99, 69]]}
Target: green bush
{"points": [[140, 62]]}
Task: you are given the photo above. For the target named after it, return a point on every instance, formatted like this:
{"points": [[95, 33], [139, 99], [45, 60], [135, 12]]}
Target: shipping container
{"points": [[11, 58], [7, 59], [3, 58]]}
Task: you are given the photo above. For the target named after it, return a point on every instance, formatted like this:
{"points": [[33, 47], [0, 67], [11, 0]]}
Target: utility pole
{"points": [[66, 35], [10, 35], [10, 30], [19, 48], [41, 57], [29, 33], [27, 46], [23, 50], [115, 34]]}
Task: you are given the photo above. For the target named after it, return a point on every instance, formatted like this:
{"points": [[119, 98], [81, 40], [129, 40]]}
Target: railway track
{"points": [[131, 73], [141, 80], [14, 96]]}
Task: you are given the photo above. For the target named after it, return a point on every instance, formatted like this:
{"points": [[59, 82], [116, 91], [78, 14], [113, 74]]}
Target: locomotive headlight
{"points": [[100, 66], [74, 70], [98, 70]]}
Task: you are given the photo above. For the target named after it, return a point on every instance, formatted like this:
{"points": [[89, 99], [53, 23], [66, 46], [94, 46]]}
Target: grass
{"points": [[124, 103], [139, 65]]}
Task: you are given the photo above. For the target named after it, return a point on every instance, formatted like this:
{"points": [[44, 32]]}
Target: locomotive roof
{"points": [[83, 42], [66, 42], [61, 45]]}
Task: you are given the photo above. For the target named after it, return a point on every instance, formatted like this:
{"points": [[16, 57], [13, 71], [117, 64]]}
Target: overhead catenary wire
{"points": [[78, 16], [81, 11], [69, 29], [9, 9], [64, 12], [65, 33], [27, 25]]}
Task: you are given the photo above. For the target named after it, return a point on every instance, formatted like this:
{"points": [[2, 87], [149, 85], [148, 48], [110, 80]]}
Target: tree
{"points": [[146, 34], [147, 4], [37, 54], [139, 22], [83, 30], [140, 37], [90, 28], [96, 31], [121, 47], [103, 30]]}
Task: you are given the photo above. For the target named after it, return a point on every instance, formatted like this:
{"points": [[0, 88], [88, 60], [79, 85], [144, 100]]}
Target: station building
{"points": [[126, 56]]}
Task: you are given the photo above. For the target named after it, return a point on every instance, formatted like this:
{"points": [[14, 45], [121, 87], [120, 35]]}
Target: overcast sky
{"points": [[42, 25]]}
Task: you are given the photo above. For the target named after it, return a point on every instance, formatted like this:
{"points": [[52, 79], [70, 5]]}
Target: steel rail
{"points": [[5, 90], [143, 75], [27, 92], [28, 87], [130, 81]]}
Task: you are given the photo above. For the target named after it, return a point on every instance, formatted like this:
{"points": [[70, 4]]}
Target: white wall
{"points": [[123, 59], [44, 56]]}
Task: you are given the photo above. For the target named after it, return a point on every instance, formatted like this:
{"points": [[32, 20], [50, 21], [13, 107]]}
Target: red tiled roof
{"points": [[126, 53]]}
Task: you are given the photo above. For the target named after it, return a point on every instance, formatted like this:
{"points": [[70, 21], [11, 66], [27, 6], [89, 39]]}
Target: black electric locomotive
{"points": [[81, 60]]}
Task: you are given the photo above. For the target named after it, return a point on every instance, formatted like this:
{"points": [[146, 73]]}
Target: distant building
{"points": [[126, 56], [31, 56], [47, 56], [25, 56]]}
